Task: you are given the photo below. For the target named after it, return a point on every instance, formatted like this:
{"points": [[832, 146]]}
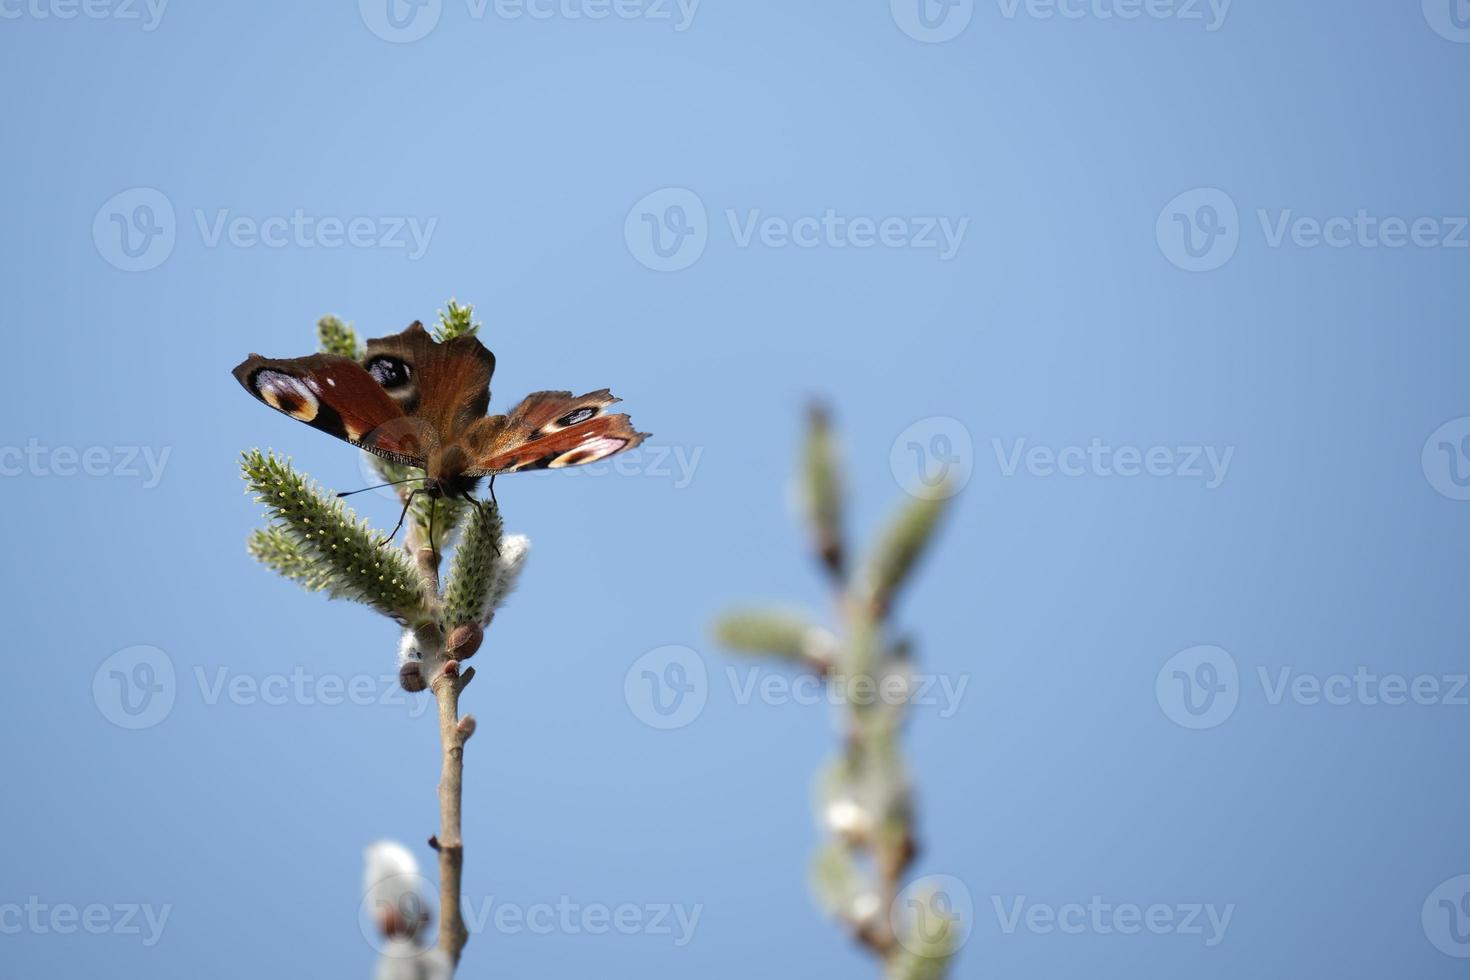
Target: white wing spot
{"points": [[287, 394], [588, 452]]}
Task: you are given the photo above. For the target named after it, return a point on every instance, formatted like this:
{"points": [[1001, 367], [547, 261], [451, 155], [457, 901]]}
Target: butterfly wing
{"points": [[549, 430], [338, 396], [422, 403], [446, 384]]}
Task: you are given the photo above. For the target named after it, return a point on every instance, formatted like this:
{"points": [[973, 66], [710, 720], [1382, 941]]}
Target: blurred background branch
{"points": [[864, 798]]}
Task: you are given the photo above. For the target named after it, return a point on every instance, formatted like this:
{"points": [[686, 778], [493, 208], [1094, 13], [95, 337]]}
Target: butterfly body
{"points": [[422, 403]]}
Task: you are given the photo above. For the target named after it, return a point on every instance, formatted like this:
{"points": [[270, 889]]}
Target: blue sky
{"points": [[1177, 288]]}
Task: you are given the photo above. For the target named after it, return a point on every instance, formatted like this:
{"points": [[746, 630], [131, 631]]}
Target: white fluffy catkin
{"points": [[398, 894], [507, 571]]}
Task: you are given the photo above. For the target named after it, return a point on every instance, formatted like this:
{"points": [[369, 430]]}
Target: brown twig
{"points": [[454, 731], [427, 560]]}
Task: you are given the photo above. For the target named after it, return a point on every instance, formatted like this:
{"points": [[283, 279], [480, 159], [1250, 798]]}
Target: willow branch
{"points": [[454, 731], [890, 857], [858, 875], [316, 541]]}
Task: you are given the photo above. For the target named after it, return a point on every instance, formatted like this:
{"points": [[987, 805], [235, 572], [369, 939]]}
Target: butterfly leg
{"points": [[407, 503], [481, 506]]}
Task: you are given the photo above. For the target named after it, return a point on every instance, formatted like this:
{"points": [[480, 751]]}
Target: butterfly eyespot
{"points": [[285, 393], [575, 416], [390, 372], [589, 452]]}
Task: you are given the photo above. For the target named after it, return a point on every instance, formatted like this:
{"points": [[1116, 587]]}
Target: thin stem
{"points": [[427, 560], [890, 859], [453, 733]]}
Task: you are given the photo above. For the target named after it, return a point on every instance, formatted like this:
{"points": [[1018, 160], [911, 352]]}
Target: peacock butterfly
{"points": [[422, 403]]}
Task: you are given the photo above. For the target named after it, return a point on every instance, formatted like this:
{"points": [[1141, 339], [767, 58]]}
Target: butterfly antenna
{"points": [[348, 493], [402, 514]]}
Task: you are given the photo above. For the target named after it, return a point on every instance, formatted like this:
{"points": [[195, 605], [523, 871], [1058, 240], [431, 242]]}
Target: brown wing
{"points": [[446, 385], [549, 430], [547, 411], [336, 395]]}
